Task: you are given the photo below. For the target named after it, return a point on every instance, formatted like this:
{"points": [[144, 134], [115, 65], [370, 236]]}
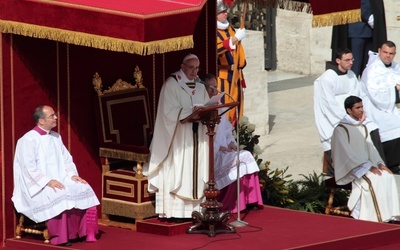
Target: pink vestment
{"points": [[73, 224], [250, 193]]}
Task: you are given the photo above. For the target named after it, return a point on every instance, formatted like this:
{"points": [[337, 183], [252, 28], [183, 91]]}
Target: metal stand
{"points": [[238, 222]]}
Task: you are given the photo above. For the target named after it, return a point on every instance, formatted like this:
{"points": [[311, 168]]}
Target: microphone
{"points": [[198, 80]]}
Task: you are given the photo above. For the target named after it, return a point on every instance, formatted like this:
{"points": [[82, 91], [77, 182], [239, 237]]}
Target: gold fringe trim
{"points": [[337, 18], [125, 155], [97, 41]]}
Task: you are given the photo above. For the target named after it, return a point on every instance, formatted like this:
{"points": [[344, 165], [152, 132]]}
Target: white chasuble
{"points": [[178, 168]]}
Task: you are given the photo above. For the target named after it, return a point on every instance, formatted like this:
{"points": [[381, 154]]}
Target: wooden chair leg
{"points": [[328, 208], [20, 226], [35, 229], [341, 210], [46, 235]]}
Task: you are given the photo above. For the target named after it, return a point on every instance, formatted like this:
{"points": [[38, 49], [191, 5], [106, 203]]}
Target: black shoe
{"points": [[253, 206], [67, 244], [180, 220]]}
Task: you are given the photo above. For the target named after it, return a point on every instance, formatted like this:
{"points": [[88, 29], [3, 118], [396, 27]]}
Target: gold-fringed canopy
{"points": [[132, 26]]}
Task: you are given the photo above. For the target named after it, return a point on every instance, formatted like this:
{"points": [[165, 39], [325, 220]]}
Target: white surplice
{"points": [[330, 91], [177, 181], [353, 154], [38, 159], [379, 83], [225, 163]]}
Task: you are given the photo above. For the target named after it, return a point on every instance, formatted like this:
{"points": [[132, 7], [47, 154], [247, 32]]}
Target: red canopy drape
{"points": [[133, 26], [335, 12]]}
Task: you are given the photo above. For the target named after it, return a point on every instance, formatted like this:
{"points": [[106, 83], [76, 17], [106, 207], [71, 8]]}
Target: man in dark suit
{"points": [[362, 36]]}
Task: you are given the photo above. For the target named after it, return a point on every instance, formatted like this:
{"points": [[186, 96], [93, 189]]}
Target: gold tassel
{"points": [[97, 41], [337, 18]]}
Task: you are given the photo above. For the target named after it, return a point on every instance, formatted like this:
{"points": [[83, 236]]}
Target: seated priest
{"points": [[47, 186], [374, 194], [225, 165]]}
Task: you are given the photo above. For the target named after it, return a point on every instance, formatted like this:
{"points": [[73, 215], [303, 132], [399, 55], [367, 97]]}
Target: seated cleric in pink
{"points": [[47, 186], [225, 166]]}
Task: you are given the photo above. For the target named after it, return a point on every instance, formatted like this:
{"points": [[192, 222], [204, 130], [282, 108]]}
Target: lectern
{"points": [[210, 221]]}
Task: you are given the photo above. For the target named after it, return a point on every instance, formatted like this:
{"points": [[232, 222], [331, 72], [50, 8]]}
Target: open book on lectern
{"points": [[203, 113], [216, 100]]}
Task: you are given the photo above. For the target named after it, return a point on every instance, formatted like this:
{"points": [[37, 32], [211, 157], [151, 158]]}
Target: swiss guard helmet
{"points": [[223, 5]]}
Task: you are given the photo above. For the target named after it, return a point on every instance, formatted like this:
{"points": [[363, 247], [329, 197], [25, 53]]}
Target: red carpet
{"points": [[269, 228]]}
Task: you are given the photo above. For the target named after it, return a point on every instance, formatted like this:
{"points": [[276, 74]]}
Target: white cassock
{"points": [[330, 91], [353, 154], [39, 159], [178, 168], [379, 83], [225, 163]]}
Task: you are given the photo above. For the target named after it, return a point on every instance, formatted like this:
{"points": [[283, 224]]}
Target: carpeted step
{"points": [[163, 226]]}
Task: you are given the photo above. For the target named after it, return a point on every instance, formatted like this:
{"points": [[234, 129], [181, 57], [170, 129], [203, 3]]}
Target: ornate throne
{"points": [[125, 128]]}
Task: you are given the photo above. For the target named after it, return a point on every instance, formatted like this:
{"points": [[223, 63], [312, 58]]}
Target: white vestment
{"points": [[39, 159], [225, 163], [353, 154], [330, 91], [178, 168], [379, 83]]}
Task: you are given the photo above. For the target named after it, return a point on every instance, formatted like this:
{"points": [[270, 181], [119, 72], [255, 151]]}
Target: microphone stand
{"points": [[238, 222]]}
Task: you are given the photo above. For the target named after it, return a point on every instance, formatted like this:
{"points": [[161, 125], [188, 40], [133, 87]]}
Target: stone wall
{"points": [[392, 11], [256, 93]]}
